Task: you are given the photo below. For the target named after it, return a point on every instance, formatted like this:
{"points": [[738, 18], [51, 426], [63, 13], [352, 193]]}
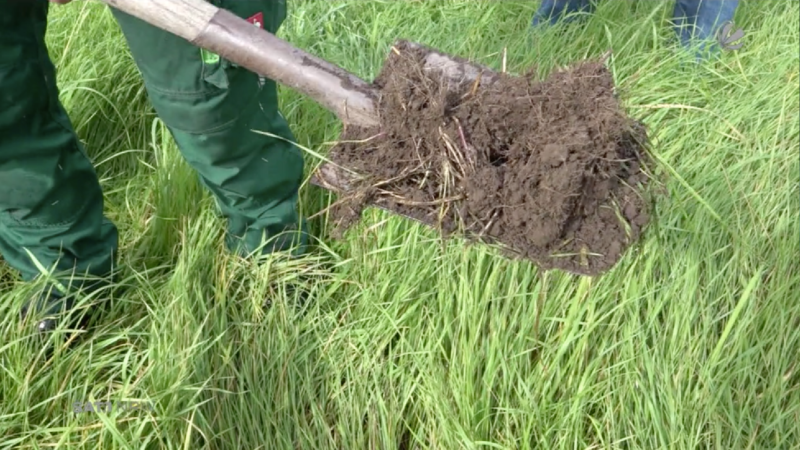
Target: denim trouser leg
{"points": [[700, 19], [551, 11]]}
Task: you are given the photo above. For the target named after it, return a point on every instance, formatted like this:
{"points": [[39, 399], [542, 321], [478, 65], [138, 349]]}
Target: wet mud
{"points": [[551, 170]]}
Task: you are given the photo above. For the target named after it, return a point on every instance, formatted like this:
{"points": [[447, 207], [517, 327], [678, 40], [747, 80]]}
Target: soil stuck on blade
{"points": [[551, 170]]}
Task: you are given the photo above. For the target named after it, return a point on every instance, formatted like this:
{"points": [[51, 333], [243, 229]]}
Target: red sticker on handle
{"points": [[257, 20]]}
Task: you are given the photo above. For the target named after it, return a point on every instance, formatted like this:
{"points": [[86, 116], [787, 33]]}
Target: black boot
{"points": [[52, 307]]}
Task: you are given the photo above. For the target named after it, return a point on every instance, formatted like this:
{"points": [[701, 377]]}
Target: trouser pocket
{"points": [[194, 90]]}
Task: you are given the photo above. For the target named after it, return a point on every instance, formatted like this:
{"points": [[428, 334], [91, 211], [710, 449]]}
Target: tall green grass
{"points": [[692, 341]]}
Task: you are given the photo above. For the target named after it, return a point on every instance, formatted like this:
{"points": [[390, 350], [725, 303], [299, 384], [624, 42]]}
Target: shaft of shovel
{"points": [[233, 38]]}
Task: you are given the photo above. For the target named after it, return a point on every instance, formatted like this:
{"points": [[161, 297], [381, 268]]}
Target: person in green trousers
{"points": [[51, 203]]}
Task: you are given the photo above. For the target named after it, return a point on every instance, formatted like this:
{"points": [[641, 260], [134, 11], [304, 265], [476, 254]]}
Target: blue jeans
{"points": [[694, 19]]}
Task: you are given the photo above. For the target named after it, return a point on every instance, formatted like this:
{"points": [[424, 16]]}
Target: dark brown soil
{"points": [[551, 170]]}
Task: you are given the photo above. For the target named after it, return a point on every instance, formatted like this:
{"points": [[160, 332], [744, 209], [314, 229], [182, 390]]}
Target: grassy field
{"points": [[692, 341]]}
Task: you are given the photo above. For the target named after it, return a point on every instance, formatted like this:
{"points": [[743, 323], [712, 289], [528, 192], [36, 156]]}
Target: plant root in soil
{"points": [[551, 171]]}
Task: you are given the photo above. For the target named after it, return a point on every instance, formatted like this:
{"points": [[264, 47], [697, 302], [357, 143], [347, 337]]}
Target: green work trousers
{"points": [[51, 203]]}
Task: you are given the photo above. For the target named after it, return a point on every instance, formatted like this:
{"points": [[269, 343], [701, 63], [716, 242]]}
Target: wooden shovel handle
{"points": [[235, 39]]}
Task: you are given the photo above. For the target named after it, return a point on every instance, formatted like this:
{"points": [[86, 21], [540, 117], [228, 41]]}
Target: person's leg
{"points": [[700, 20], [552, 11], [51, 204], [211, 108]]}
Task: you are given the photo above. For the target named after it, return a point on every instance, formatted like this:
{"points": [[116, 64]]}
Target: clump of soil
{"points": [[551, 170]]}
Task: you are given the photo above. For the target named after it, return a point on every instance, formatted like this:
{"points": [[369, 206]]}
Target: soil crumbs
{"points": [[549, 170]]}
